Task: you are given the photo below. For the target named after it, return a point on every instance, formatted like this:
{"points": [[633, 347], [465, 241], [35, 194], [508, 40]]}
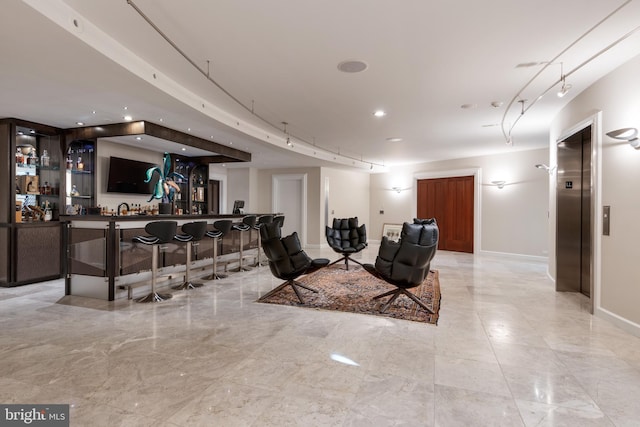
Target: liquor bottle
{"points": [[44, 159], [69, 162], [19, 157], [79, 164], [32, 159]]}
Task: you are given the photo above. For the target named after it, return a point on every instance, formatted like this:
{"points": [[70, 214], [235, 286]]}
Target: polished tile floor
{"points": [[508, 351]]}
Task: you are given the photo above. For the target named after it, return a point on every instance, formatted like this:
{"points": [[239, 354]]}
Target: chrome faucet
{"points": [[126, 205]]}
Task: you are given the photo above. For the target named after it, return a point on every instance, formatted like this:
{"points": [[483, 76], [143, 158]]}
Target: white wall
{"points": [[349, 196], [513, 220], [617, 97], [106, 148], [239, 188]]}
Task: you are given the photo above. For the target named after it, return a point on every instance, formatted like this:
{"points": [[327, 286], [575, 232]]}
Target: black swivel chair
{"points": [[287, 260], [346, 238], [405, 264], [220, 229], [161, 232], [192, 232]]}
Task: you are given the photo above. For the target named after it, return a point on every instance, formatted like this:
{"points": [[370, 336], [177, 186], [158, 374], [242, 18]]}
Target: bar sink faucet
{"points": [[126, 205]]}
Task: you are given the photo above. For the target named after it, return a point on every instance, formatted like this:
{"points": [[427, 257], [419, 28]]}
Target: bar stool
{"points": [[279, 219], [262, 219], [220, 229], [161, 232], [247, 224], [192, 233]]}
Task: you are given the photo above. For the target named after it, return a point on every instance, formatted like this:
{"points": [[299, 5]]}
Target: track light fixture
{"points": [[289, 143], [563, 79], [626, 134]]}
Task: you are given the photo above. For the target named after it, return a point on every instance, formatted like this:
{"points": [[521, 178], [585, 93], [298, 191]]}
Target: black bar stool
{"points": [[220, 229], [262, 219], [192, 233], [161, 232], [279, 219], [248, 222]]}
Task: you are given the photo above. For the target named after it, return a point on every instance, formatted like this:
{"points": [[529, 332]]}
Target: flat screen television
{"points": [[127, 176]]}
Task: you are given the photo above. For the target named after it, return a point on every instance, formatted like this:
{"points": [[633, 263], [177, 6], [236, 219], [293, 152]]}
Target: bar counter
{"points": [[101, 260]]}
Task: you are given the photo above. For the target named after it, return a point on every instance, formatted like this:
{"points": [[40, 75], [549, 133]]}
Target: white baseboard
{"points": [[624, 324], [520, 257]]}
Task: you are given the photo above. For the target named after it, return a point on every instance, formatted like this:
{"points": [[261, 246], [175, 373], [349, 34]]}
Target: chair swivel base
{"points": [[187, 285], [154, 297], [346, 259], [396, 293], [295, 285], [215, 276]]}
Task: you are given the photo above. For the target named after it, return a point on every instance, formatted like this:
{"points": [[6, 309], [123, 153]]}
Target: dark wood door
{"points": [[450, 202], [214, 197]]}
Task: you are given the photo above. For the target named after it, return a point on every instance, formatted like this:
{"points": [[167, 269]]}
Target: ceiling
{"points": [[238, 69]]}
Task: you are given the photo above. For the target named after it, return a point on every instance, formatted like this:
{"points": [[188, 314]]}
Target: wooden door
{"points": [[214, 197], [450, 202]]}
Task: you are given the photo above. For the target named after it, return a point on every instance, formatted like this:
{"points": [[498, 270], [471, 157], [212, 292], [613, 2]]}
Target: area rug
{"points": [[353, 290]]}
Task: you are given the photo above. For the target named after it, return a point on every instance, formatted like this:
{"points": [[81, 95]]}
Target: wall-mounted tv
{"points": [[127, 176]]}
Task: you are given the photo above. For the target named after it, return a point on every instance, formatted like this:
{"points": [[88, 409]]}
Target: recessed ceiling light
{"points": [[80, 123], [379, 113], [184, 149], [128, 118], [352, 66], [394, 139], [32, 131], [125, 108], [468, 106], [138, 138]]}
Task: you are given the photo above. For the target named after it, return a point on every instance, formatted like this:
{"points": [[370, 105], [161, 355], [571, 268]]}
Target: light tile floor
{"points": [[508, 351]]}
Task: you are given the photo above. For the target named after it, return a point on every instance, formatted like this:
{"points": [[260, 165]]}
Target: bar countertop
{"points": [[147, 217]]}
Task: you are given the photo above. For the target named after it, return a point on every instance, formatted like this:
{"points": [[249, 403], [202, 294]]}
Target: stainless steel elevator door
{"points": [[573, 237]]}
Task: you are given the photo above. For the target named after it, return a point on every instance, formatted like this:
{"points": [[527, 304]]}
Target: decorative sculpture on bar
{"points": [[166, 187]]}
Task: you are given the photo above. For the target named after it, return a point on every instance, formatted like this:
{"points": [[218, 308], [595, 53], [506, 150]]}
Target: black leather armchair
{"points": [[287, 260], [405, 264], [346, 238]]}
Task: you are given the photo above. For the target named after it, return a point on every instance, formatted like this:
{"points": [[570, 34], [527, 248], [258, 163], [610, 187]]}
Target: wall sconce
{"points": [[547, 168], [499, 184], [398, 189], [626, 134]]}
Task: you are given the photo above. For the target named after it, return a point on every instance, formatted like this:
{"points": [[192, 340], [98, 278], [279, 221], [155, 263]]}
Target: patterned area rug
{"points": [[353, 291]]}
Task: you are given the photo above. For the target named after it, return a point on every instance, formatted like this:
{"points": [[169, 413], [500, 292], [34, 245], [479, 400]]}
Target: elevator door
{"points": [[573, 243]]}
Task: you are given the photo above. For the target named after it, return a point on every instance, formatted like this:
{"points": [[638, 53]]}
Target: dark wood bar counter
{"points": [[102, 261]]}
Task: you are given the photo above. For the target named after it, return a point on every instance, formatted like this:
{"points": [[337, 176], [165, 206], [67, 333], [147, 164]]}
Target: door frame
{"points": [[477, 195], [275, 184]]}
